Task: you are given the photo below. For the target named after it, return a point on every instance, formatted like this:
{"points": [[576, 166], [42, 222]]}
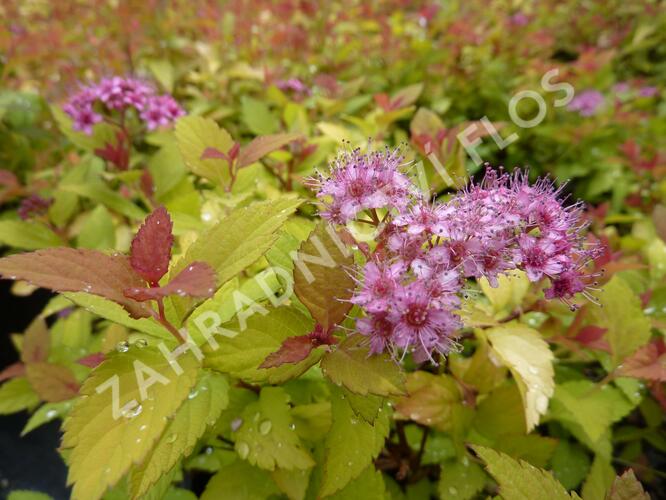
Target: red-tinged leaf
{"points": [[383, 101], [36, 342], [261, 146], [8, 179], [92, 360], [627, 487], [648, 362], [147, 185], [296, 349], [117, 155], [292, 350], [196, 280], [151, 247], [77, 270], [591, 336], [51, 382], [12, 371], [213, 154]]}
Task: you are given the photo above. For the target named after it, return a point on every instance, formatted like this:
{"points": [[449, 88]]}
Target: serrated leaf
{"points": [[627, 487], [509, 292], [529, 358], [322, 280], [150, 252], [351, 444], [293, 483], [367, 407], [36, 342], [27, 235], [242, 355], [53, 383], [292, 350], [202, 408], [77, 270], [621, 313], [430, 399], [46, 413], [196, 280], [194, 134], [261, 146], [519, 480], [352, 366], [257, 117], [102, 448], [460, 480], [648, 362], [240, 481], [239, 239], [15, 395], [592, 407], [369, 485], [266, 437]]}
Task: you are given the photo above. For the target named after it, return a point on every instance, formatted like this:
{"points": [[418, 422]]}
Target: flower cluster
{"points": [[587, 103], [120, 94], [411, 284]]}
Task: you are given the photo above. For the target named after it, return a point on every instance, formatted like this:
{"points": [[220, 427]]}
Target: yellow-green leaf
{"points": [[107, 434], [530, 360]]}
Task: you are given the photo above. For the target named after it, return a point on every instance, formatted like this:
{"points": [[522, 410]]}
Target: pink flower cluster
{"points": [[411, 284], [87, 106]]}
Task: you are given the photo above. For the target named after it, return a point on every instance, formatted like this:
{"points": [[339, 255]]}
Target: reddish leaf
{"points": [[77, 270], [12, 371], [648, 362], [147, 185], [51, 382], [8, 179], [117, 155], [296, 349], [591, 336], [36, 342], [213, 154], [151, 247], [196, 280], [292, 350], [92, 360], [261, 146]]}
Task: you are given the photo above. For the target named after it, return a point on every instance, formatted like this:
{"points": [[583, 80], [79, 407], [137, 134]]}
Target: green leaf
{"points": [[594, 408], [570, 464], [242, 355], [194, 134], [599, 480], [167, 169], [98, 230], [46, 413], [530, 359], [627, 487], [257, 117], [99, 193], [102, 132], [27, 495], [369, 485], [321, 280], [509, 293], [351, 444], [114, 312], [27, 235], [350, 365], [460, 480], [15, 395], [293, 483], [240, 481], [238, 240], [621, 313], [108, 434], [266, 437], [261, 146], [367, 407], [202, 408], [519, 480], [430, 399]]}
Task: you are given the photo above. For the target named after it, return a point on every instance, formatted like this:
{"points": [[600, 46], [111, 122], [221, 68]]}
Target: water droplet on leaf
{"points": [[265, 427]]}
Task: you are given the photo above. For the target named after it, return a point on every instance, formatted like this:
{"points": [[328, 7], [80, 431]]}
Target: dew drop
{"points": [[132, 412], [353, 421], [143, 427], [122, 346], [292, 426], [236, 423], [141, 343], [265, 427], [533, 370], [172, 438], [193, 394], [51, 414], [452, 490], [243, 449]]}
